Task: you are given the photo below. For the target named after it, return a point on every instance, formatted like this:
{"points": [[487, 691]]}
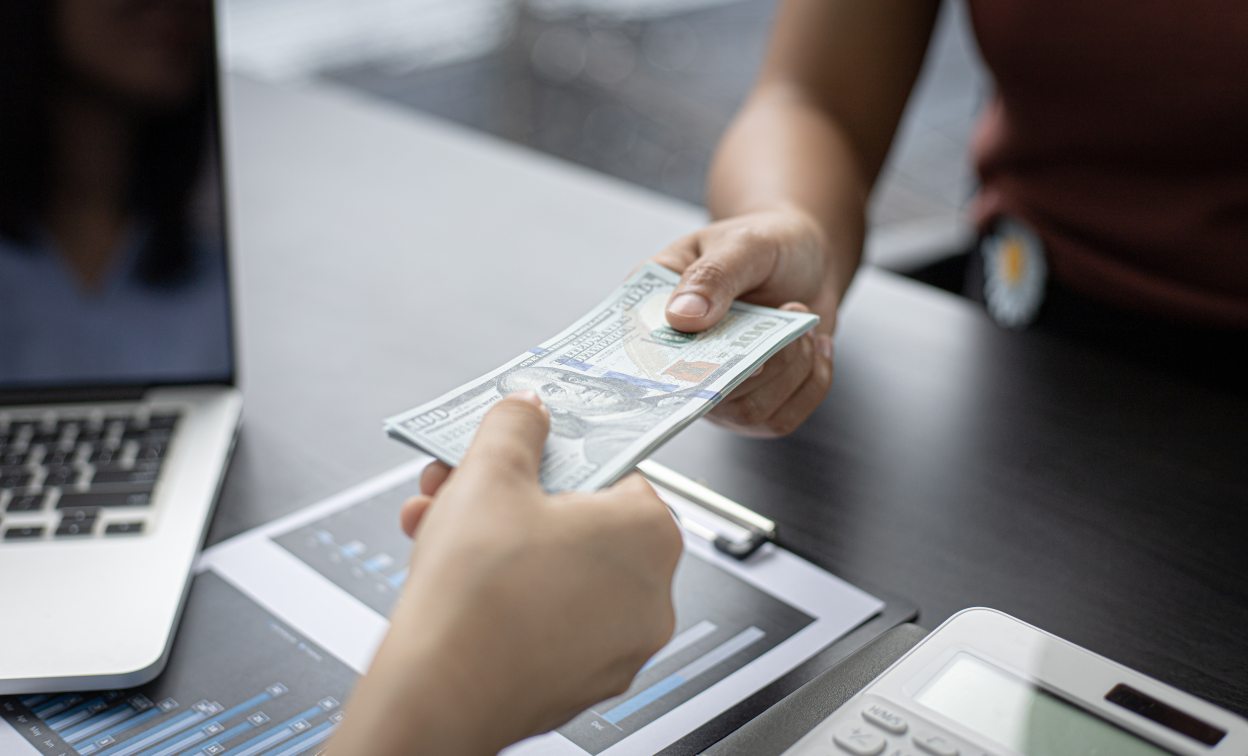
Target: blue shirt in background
{"points": [[128, 331]]}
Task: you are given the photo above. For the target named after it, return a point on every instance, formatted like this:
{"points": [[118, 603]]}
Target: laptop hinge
{"points": [[11, 397]]}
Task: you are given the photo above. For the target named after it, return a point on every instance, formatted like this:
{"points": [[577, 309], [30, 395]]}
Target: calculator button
{"points": [[935, 745], [859, 741], [884, 718]]}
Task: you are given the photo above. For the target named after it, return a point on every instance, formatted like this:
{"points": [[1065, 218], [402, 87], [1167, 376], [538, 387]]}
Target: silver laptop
{"points": [[117, 404]]}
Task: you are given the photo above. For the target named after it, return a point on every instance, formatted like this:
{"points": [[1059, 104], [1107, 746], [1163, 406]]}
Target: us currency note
{"points": [[619, 382]]}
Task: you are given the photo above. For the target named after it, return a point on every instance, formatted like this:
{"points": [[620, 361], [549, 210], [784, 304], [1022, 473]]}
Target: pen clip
{"points": [[757, 529]]}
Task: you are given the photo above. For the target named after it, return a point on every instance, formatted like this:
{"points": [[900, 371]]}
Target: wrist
{"points": [[421, 696]]}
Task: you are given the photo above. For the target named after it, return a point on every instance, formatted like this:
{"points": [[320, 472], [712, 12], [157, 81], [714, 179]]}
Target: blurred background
{"points": [[635, 89]]}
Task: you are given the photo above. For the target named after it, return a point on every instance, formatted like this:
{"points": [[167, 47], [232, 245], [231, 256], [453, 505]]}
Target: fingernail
{"points": [[823, 343], [529, 396], [758, 371], [689, 305]]}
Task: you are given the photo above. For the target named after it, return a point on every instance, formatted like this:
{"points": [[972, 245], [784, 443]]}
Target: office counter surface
{"points": [[383, 258]]}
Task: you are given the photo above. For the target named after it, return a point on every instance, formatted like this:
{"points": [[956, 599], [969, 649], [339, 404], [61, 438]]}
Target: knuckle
{"points": [[750, 410], [823, 377], [508, 462], [680, 254], [783, 423], [634, 485], [747, 237], [709, 274]]}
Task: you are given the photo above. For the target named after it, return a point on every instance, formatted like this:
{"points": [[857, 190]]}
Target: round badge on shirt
{"points": [[1015, 274]]}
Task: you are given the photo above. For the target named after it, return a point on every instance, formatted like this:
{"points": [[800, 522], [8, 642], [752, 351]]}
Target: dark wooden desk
{"points": [[385, 258]]}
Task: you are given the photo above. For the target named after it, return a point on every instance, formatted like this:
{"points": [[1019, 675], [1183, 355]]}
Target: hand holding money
{"points": [[777, 257], [619, 382]]}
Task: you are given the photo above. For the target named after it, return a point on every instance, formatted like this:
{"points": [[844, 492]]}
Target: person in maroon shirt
{"points": [[1113, 195]]}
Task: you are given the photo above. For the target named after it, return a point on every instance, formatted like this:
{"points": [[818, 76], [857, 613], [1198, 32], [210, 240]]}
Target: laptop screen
{"points": [[112, 240]]}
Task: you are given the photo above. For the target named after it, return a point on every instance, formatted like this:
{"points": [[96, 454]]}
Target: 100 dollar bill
{"points": [[619, 382]]}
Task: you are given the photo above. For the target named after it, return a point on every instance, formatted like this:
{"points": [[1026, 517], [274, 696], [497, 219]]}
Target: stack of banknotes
{"points": [[619, 383]]}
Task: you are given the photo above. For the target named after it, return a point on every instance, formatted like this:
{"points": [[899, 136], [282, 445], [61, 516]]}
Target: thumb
{"points": [[510, 440], [727, 266]]}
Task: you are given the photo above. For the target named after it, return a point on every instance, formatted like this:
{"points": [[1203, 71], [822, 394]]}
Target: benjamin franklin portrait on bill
{"points": [[606, 413]]}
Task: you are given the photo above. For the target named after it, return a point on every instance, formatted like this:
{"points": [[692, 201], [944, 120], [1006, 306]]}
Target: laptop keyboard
{"points": [[66, 475]]}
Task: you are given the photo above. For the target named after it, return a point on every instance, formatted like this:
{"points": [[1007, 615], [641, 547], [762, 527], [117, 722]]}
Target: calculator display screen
{"points": [[1023, 717]]}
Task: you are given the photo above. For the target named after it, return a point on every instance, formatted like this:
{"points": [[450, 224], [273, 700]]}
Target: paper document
{"points": [[619, 382], [281, 620]]}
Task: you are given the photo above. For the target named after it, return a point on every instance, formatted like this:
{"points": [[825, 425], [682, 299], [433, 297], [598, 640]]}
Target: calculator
{"points": [[986, 683]]}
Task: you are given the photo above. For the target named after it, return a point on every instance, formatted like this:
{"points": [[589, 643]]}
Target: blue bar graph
{"points": [[162, 731], [136, 727], [57, 705], [284, 730], [683, 640], [378, 562], [644, 698], [126, 721], [239, 680], [358, 548], [398, 578], [704, 663], [316, 735], [76, 714], [227, 736], [178, 745]]}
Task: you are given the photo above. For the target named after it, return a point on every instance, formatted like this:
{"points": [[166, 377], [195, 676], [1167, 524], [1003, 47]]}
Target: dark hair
{"points": [[168, 148]]}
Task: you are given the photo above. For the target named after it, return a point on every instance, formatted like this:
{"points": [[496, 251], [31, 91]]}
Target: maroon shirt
{"points": [[1119, 132]]}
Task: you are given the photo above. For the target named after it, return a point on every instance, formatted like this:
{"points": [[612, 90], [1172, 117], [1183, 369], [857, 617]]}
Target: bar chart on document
{"points": [[239, 682], [722, 624], [361, 548]]}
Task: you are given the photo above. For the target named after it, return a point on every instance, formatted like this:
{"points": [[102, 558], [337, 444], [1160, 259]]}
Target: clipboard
{"points": [[738, 531]]}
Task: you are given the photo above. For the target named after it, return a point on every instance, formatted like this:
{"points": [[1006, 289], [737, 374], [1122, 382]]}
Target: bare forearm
{"points": [[817, 127], [418, 698], [782, 151]]}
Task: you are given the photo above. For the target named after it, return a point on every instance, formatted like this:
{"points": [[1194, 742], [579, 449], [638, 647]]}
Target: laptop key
{"points": [[45, 439], [57, 457], [61, 476], [150, 452], [14, 458], [107, 477], [111, 499], [90, 435], [163, 420], [24, 533], [75, 528], [82, 514], [26, 503], [105, 455], [15, 479], [124, 528]]}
